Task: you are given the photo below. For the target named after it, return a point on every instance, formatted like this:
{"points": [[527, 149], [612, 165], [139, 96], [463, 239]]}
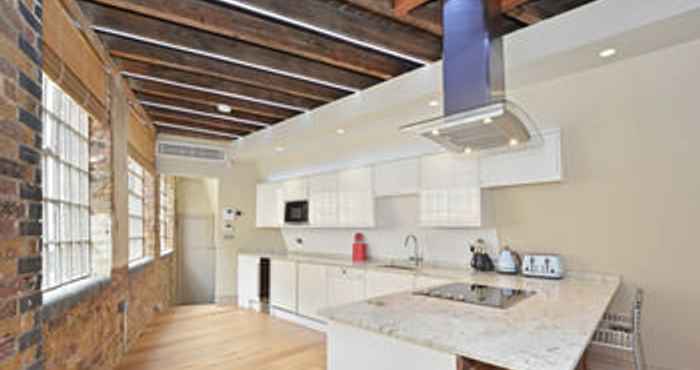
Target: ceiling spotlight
{"points": [[434, 103], [468, 150], [607, 53], [488, 120], [513, 142], [436, 132], [279, 149], [340, 131], [223, 108]]}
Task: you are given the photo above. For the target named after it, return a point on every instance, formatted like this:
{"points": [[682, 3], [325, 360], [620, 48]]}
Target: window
{"points": [[65, 166], [166, 222], [136, 211]]}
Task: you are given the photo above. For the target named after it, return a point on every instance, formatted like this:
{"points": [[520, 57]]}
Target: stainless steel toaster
{"points": [[548, 266]]}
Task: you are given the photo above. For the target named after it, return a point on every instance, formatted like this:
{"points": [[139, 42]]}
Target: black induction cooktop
{"points": [[482, 295]]}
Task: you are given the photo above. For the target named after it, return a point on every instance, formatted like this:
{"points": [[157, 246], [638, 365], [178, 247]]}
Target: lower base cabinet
{"points": [[345, 285], [283, 285], [382, 283], [313, 290], [248, 281]]}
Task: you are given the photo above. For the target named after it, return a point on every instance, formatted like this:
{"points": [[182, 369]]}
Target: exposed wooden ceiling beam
{"points": [[174, 92], [356, 23], [508, 5], [262, 96], [158, 56], [230, 22], [190, 134], [204, 108], [197, 121], [219, 47], [428, 17], [403, 7]]}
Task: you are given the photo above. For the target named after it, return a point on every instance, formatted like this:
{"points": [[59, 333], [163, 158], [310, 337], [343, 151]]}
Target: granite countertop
{"points": [[547, 331]]}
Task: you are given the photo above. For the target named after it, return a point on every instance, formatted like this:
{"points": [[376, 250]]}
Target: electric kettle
{"points": [[508, 262]]}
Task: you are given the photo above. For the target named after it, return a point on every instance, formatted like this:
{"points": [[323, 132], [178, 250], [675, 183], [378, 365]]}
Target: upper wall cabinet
{"points": [[396, 178], [450, 194], [356, 198], [535, 165], [295, 189], [323, 200], [269, 207]]}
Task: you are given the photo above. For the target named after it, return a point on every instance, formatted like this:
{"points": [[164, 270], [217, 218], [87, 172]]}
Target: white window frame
{"points": [[66, 245], [137, 212], [165, 221]]}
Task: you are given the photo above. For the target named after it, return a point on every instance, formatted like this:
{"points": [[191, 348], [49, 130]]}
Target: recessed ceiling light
{"points": [[607, 53], [513, 142], [279, 149], [436, 132], [434, 103], [340, 131], [488, 120], [223, 108], [467, 150]]}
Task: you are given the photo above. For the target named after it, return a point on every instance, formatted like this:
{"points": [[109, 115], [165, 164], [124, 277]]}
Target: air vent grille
{"points": [[190, 151]]}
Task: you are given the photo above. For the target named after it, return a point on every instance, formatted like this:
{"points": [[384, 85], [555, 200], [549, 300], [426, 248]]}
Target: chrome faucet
{"points": [[416, 259]]}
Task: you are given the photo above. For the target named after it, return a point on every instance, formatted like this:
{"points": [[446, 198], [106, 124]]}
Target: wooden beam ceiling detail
{"points": [[204, 108], [321, 73], [158, 56], [230, 22], [403, 7], [218, 84], [194, 96], [427, 18], [184, 119], [359, 24]]}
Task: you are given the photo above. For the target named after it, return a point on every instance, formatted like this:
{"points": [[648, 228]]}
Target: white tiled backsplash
{"points": [[396, 217]]}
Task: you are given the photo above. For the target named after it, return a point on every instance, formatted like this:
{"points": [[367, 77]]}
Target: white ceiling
{"points": [[560, 46]]}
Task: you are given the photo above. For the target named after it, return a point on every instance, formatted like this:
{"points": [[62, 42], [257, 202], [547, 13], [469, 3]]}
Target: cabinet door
{"points": [[356, 198], [383, 283], [295, 189], [269, 205], [323, 200], [283, 285], [345, 285], [396, 178], [313, 290], [248, 281]]}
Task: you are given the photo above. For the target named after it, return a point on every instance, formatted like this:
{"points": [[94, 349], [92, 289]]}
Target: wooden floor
{"points": [[225, 338]]}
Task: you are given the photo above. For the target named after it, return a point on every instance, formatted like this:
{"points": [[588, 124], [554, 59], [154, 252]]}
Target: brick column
{"points": [[20, 184]]}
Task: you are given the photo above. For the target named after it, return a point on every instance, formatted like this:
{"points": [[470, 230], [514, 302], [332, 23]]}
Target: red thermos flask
{"points": [[359, 248]]}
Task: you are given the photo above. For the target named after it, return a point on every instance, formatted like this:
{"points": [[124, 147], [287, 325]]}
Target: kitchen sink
{"points": [[399, 267]]}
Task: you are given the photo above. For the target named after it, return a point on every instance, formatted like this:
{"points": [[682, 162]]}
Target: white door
{"points": [[313, 290], [345, 285], [248, 281], [323, 200], [197, 262], [269, 210], [283, 285], [356, 198]]}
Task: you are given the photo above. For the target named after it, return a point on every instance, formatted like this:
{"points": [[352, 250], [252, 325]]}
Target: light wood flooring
{"points": [[225, 338]]}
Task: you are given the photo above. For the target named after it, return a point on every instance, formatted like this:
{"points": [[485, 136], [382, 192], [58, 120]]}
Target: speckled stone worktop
{"points": [[547, 331]]}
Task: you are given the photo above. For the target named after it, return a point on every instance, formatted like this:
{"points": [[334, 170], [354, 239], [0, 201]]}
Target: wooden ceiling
{"points": [[269, 60]]}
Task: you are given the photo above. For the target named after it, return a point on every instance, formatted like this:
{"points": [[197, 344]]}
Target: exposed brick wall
{"points": [[20, 185]]}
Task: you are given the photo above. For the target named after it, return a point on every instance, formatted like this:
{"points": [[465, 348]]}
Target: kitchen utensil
{"points": [[508, 262]]}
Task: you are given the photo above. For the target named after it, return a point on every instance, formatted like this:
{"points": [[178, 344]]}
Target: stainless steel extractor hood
{"points": [[477, 116]]}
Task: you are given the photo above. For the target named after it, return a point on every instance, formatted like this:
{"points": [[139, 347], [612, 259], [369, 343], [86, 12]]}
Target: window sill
{"points": [[168, 253], [139, 265], [56, 302]]}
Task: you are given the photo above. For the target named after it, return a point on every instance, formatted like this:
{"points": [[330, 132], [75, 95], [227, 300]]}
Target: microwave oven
{"points": [[296, 212]]}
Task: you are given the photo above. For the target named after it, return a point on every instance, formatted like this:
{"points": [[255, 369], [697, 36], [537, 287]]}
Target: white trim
{"points": [[203, 114], [298, 319], [220, 57]]}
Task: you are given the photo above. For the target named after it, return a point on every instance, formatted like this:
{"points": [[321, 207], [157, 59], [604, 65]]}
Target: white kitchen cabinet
{"points": [[295, 189], [396, 178], [423, 282], [379, 283], [283, 285], [269, 205], [345, 285], [450, 193], [356, 198], [530, 166], [313, 290], [248, 281], [323, 200]]}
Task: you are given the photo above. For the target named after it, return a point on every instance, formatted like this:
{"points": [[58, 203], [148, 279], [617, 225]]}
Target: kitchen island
{"points": [[549, 330]]}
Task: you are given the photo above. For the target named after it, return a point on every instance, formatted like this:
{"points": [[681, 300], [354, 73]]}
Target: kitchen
{"points": [[349, 184]]}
